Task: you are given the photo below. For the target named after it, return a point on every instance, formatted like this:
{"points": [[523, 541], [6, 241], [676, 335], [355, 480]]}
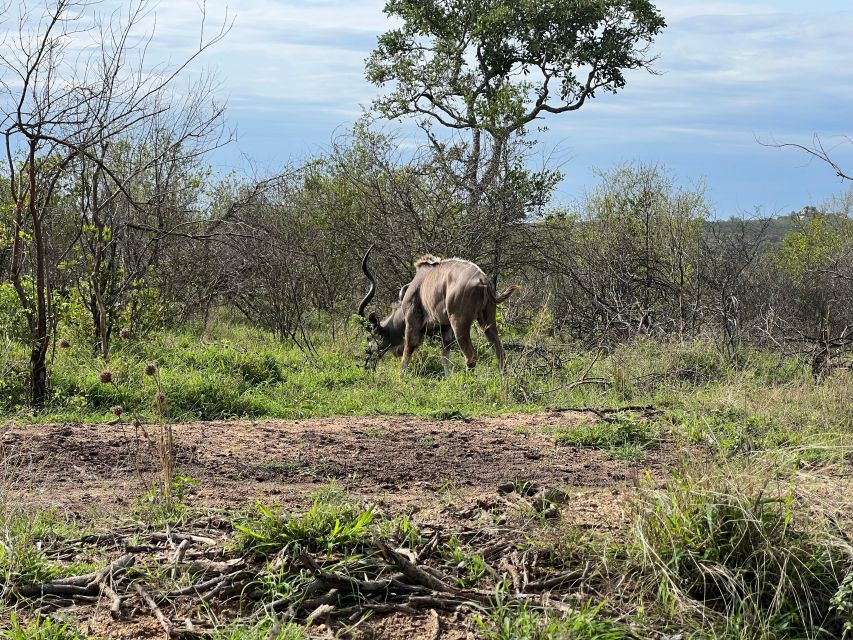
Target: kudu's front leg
{"points": [[447, 340], [411, 339]]}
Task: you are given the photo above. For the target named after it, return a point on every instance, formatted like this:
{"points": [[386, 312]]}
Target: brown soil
{"points": [[436, 469], [399, 460]]}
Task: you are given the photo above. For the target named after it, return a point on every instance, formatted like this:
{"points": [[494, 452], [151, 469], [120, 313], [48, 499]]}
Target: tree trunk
{"points": [[38, 357]]}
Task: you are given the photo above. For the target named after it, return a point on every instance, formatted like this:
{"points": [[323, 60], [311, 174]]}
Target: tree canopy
{"points": [[496, 65]]}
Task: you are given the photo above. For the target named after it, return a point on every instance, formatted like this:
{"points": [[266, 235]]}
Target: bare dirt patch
{"points": [[398, 460]]}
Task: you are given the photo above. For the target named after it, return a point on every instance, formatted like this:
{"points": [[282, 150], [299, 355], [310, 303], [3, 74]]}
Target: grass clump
{"points": [[23, 536], [153, 509], [40, 629], [507, 622], [626, 436], [329, 525], [266, 629], [742, 553], [473, 565]]}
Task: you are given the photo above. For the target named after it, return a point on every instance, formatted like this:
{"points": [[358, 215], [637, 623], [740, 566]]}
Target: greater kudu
{"points": [[445, 294]]}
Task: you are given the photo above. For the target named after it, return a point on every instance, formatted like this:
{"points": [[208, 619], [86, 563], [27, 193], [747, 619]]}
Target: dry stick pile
{"points": [[380, 577]]}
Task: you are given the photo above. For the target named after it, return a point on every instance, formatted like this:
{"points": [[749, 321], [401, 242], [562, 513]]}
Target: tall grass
{"points": [[750, 553]]}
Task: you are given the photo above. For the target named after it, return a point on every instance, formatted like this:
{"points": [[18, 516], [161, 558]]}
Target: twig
{"points": [[163, 620], [196, 588], [436, 631], [179, 556], [115, 599], [603, 412], [412, 571], [571, 385], [322, 610], [507, 566], [554, 581], [168, 537]]}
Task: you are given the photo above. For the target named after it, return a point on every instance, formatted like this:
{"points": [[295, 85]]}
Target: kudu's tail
{"points": [[506, 293]]}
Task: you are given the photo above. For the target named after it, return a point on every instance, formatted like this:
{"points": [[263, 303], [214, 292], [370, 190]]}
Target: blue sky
{"points": [[731, 74]]}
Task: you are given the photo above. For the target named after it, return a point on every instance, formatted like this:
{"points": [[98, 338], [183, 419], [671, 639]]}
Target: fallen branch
{"points": [[179, 556], [414, 572], [115, 599], [169, 537], [604, 412], [162, 619], [77, 586], [341, 581]]}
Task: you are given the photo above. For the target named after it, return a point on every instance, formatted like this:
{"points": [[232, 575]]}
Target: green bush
{"points": [[14, 375], [13, 322]]}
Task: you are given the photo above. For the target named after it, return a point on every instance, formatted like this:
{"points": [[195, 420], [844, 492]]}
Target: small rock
{"points": [[506, 487], [551, 512], [557, 495]]}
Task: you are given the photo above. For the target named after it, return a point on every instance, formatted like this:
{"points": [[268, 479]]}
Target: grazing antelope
{"points": [[445, 294]]}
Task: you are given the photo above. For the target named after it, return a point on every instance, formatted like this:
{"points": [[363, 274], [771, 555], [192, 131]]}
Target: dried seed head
{"points": [[160, 398], [124, 334], [118, 410], [106, 377], [150, 369], [64, 344]]}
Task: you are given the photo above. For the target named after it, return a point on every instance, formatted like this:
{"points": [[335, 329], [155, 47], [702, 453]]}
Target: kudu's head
{"points": [[386, 334]]}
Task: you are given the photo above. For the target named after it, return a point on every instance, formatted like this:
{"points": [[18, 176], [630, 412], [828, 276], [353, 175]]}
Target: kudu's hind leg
{"points": [[490, 327], [462, 331], [495, 340]]}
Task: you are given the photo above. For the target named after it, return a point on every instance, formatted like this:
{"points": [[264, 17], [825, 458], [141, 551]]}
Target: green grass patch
{"points": [[625, 436], [326, 527], [507, 622], [41, 629], [25, 536], [266, 629], [472, 564]]}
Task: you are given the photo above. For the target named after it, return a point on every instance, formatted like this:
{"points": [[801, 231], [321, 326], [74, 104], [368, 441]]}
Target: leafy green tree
{"points": [[814, 276], [489, 67]]}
